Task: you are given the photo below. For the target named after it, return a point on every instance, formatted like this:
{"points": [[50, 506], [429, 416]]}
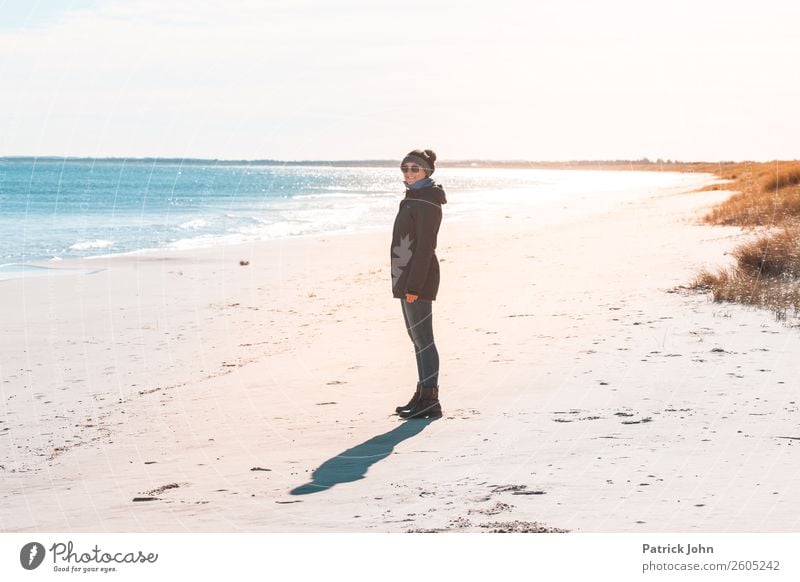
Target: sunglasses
{"points": [[410, 169]]}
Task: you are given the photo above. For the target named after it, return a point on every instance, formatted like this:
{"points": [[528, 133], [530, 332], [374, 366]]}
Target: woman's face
{"points": [[412, 173]]}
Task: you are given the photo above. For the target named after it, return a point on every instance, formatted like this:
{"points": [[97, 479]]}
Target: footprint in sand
{"points": [[643, 420], [493, 510], [515, 490]]}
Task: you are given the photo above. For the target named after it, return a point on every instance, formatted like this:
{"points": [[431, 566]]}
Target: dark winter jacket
{"points": [[415, 268]]}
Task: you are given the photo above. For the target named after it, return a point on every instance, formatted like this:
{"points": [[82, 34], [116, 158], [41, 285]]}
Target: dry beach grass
{"points": [[766, 271]]}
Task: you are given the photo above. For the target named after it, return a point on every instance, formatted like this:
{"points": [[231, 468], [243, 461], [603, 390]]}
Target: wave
{"points": [[193, 224], [327, 195], [91, 244]]}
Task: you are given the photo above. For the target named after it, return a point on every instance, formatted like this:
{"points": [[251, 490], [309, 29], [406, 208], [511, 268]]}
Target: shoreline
{"points": [[101, 244], [259, 398], [155, 253]]}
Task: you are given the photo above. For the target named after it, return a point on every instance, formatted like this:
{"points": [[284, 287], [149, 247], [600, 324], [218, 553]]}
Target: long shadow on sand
{"points": [[352, 464]]}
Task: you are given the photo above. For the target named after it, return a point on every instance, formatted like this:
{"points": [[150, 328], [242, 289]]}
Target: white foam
{"points": [[92, 244], [327, 195], [193, 224]]}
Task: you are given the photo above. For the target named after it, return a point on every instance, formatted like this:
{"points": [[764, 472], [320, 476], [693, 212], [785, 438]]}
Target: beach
{"points": [[583, 388]]}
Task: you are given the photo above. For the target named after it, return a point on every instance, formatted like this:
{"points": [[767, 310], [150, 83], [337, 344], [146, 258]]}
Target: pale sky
{"points": [[356, 79]]}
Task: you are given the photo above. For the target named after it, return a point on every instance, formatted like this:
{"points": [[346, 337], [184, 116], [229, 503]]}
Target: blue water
{"points": [[52, 210]]}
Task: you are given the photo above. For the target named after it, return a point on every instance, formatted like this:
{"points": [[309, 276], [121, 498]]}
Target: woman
{"points": [[415, 274]]}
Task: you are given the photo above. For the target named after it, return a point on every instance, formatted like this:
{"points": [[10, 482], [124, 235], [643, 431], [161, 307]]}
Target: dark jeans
{"points": [[419, 325]]}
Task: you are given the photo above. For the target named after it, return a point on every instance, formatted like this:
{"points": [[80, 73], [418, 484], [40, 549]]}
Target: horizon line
{"points": [[379, 162]]}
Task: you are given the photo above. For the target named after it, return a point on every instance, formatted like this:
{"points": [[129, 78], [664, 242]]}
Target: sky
{"points": [[369, 79]]}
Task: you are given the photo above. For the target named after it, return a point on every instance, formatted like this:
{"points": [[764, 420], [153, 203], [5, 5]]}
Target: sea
{"points": [[56, 209]]}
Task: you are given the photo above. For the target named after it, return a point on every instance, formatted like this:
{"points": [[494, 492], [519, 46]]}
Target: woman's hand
{"points": [[410, 297]]}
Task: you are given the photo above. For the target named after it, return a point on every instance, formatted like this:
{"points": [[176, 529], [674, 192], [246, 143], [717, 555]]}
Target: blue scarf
{"points": [[420, 184]]}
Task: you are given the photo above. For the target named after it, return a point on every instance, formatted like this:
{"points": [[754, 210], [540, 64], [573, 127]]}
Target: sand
{"points": [[583, 389]]}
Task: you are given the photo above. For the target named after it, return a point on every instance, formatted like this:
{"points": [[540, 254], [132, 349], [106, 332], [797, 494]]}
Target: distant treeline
{"points": [[583, 164]]}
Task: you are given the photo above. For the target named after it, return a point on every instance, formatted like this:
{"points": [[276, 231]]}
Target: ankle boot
{"points": [[411, 402], [427, 406]]}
